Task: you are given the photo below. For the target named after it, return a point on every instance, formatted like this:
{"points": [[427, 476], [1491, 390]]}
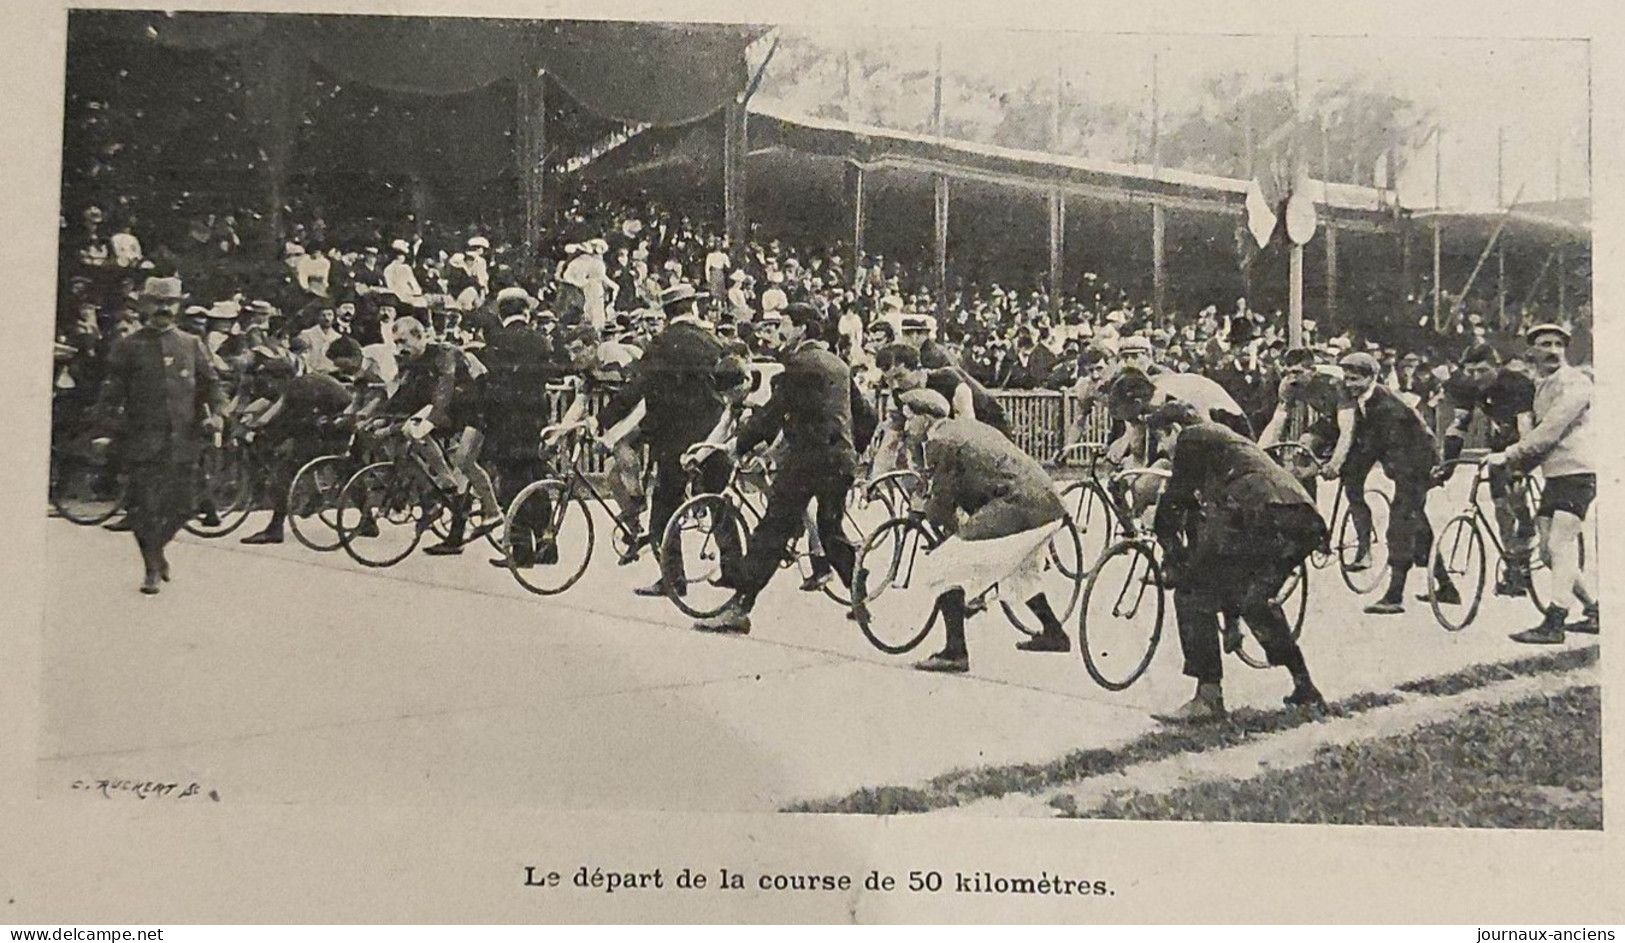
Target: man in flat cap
{"points": [[160, 396]]}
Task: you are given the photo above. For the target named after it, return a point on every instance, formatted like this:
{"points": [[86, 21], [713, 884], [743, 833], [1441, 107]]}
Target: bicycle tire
{"points": [[228, 483], [1143, 570], [1296, 586], [550, 579], [380, 484], [708, 512], [1448, 542], [80, 489], [1370, 579], [1072, 570], [1091, 511], [327, 475], [898, 543]]}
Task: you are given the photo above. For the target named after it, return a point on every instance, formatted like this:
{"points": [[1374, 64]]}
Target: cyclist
{"points": [[1560, 444], [1389, 432], [1318, 388], [1011, 512], [812, 407], [297, 426], [1233, 526], [903, 371], [1505, 397], [436, 376]]}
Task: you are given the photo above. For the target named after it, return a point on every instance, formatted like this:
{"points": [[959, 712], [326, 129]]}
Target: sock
{"points": [[1039, 604], [1396, 584], [952, 604]]}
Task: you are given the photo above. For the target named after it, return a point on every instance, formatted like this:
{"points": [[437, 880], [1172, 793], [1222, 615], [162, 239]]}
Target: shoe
{"points": [[1549, 632], [634, 547], [820, 577], [944, 664], [656, 589], [1447, 595], [1204, 708], [446, 549], [163, 567], [1045, 642], [730, 621], [210, 519], [1360, 563], [1233, 638], [122, 525], [149, 586], [548, 554], [1306, 695], [1513, 583], [1587, 625], [974, 606], [1385, 607], [263, 537]]}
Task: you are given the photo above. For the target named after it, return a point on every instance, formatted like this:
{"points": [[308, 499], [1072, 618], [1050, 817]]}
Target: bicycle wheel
{"points": [[1347, 545], [1061, 582], [83, 490], [894, 609], [832, 587], [1091, 513], [225, 492], [551, 559], [1293, 598], [693, 546], [313, 501], [382, 515], [1122, 611], [894, 491], [1458, 551]]}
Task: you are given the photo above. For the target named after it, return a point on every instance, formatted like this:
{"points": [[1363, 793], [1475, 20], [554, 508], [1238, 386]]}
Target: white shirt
{"points": [[774, 299], [399, 278], [312, 272], [716, 259], [126, 249]]}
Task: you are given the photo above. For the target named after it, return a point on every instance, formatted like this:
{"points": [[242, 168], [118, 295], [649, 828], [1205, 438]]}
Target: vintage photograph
{"points": [[823, 419]]}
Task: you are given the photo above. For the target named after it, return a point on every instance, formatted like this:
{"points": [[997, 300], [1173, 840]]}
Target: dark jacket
{"points": [[516, 407], [975, 469], [1388, 431], [673, 378], [1224, 495], [812, 406], [160, 385], [432, 379]]}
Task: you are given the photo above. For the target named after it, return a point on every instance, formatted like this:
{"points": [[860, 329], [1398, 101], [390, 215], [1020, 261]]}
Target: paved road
{"points": [[275, 674]]}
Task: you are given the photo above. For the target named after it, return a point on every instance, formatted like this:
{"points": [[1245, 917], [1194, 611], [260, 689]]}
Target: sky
{"points": [[1534, 92]]}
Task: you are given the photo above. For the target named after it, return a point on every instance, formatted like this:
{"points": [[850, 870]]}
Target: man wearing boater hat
{"points": [[1560, 446], [161, 395]]}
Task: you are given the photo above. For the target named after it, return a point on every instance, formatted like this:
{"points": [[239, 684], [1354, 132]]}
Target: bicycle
{"points": [[1089, 504], [561, 500], [86, 487], [313, 492], [898, 544], [1125, 599], [1345, 542], [231, 477], [384, 509], [1458, 550]]}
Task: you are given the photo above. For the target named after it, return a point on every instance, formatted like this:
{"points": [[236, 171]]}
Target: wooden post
{"points": [[942, 244], [859, 196], [1057, 246], [1057, 203], [1438, 201], [530, 120], [1562, 286], [1159, 222], [1501, 282], [733, 172], [1331, 231], [1294, 316]]}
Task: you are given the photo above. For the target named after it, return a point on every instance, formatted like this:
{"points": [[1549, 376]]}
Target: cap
{"points": [[479, 242], [1360, 363], [1547, 328], [924, 402], [401, 245], [1134, 344]]}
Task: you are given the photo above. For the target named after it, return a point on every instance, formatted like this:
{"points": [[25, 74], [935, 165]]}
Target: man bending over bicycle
{"points": [[1505, 397], [446, 442], [1233, 526], [1011, 512]]}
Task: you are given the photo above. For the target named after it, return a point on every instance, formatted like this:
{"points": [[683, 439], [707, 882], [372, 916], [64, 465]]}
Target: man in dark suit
{"points": [[681, 406], [1388, 431], [161, 392], [812, 407], [518, 360], [1233, 526]]}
